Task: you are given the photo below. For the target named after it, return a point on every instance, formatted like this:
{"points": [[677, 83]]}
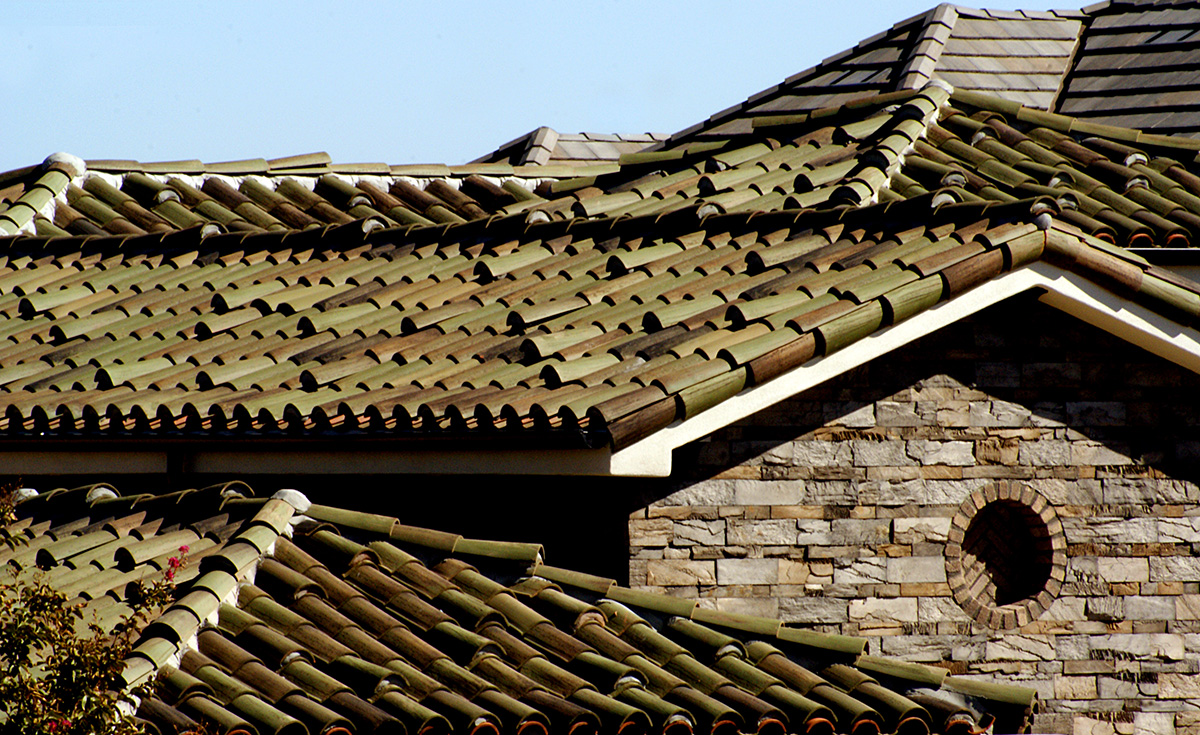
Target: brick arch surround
{"points": [[1006, 556]]}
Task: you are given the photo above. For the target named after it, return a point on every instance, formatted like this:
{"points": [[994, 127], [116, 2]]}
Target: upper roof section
{"points": [[592, 313], [1138, 66], [546, 146], [292, 618], [1130, 63]]}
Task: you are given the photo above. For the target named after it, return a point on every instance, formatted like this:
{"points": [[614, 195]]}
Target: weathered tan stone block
{"points": [[698, 533], [813, 610], [1174, 569], [1187, 607], [1178, 686], [650, 532], [1075, 687], [1166, 588], [860, 571], [797, 511], [1021, 648], [1165, 646], [942, 472], [821, 453], [1089, 726], [793, 572], [996, 450], [747, 571], [872, 610], [880, 454], [761, 532], [919, 530], [676, 512], [915, 569], [925, 589], [708, 492], [740, 472], [894, 550], [1116, 569], [674, 573]]}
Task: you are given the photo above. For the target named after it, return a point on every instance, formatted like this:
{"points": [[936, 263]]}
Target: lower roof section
{"points": [[290, 617]]}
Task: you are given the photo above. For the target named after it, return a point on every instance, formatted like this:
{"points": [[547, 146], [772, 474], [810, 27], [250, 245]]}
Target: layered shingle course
{"points": [[1136, 67]]}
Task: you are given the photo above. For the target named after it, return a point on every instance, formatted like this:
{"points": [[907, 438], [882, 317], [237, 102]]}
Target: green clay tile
{"points": [[934, 262], [46, 228], [32, 201], [770, 201], [574, 412], [1177, 194], [479, 321], [621, 261], [1039, 155], [684, 182], [102, 215], [997, 691], [621, 316], [729, 200], [1170, 298], [655, 602], [544, 345], [652, 206], [662, 317], [304, 160], [740, 284], [768, 181], [558, 373], [599, 344], [43, 301], [68, 328], [764, 306], [786, 251], [663, 287]]}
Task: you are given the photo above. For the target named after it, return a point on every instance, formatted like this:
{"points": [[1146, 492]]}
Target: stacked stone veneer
{"points": [[836, 510]]}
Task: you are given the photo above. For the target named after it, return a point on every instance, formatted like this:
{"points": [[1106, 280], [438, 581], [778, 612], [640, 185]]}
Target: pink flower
{"points": [[174, 562], [170, 575], [184, 549], [59, 724]]}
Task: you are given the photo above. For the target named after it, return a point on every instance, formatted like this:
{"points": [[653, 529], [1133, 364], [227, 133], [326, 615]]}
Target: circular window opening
{"points": [[1006, 553], [1006, 556]]}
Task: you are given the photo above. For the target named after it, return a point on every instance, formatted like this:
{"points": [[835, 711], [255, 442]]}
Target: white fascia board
{"points": [[1067, 291]]}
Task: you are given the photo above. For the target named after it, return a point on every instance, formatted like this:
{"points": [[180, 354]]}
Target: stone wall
{"points": [[856, 508]]}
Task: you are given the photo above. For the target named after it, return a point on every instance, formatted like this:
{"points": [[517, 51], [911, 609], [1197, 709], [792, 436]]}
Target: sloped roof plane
{"points": [[292, 617], [595, 313]]}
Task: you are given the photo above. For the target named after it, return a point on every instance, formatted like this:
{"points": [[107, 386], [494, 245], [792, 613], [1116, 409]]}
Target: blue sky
{"points": [[393, 82]]}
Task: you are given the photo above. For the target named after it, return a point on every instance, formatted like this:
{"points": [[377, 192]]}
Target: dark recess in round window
{"points": [[1006, 553]]}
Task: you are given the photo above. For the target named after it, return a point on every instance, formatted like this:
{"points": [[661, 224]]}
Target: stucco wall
{"points": [[848, 509]]}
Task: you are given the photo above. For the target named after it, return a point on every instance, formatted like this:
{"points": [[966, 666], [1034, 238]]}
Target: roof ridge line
{"points": [[921, 66], [391, 527]]}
